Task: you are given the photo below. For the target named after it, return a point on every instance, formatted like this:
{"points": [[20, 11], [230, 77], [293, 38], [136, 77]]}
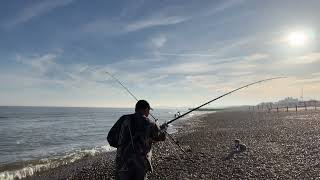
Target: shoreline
{"points": [[280, 145]]}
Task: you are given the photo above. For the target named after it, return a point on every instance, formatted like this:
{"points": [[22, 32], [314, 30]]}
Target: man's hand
{"points": [[164, 126]]}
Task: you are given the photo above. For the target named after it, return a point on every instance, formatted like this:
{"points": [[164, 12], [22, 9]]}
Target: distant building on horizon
{"points": [[290, 102]]}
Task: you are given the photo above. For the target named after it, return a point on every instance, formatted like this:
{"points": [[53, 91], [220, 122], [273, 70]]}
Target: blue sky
{"points": [[172, 53]]}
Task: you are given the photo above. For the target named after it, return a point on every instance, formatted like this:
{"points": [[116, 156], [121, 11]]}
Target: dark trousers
{"points": [[132, 170]]}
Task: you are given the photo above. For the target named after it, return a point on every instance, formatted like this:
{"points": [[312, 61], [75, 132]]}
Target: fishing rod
{"points": [[123, 86], [155, 119], [269, 79]]}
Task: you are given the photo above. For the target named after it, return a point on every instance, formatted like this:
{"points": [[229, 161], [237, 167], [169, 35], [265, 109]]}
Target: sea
{"points": [[34, 139]]}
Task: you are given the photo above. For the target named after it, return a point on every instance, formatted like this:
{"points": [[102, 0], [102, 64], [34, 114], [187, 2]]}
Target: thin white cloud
{"points": [[111, 27], [187, 54], [240, 73], [308, 81], [216, 50], [217, 60], [216, 8], [35, 10], [309, 58], [226, 5], [203, 81], [256, 56], [185, 68], [227, 46], [104, 26], [304, 59], [308, 78], [241, 65], [39, 63], [244, 66], [158, 41], [316, 74], [154, 22]]}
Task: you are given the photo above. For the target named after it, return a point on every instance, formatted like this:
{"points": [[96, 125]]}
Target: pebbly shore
{"points": [[282, 145]]}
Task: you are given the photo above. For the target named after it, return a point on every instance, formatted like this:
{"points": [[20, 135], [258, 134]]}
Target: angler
{"points": [[133, 135]]}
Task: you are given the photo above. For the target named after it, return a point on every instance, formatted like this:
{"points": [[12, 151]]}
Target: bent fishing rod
{"points": [[237, 89], [155, 119]]}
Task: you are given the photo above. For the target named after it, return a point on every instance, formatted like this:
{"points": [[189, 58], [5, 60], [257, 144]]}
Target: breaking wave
{"points": [[29, 168]]}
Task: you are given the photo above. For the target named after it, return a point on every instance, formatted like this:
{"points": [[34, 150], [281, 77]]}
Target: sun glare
{"points": [[297, 38]]}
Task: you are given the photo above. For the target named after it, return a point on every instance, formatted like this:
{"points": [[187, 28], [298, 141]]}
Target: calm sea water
{"points": [[37, 138]]}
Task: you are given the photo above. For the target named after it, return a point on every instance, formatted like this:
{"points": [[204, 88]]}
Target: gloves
{"points": [[164, 126]]}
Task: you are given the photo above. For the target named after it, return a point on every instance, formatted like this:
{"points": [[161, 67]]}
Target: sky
{"points": [[171, 53]]}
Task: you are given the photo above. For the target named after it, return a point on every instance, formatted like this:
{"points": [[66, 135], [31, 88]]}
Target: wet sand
{"points": [[282, 145]]}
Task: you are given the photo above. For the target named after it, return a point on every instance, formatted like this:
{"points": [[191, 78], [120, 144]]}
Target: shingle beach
{"points": [[282, 145]]}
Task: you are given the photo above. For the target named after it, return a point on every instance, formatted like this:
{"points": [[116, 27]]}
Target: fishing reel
{"points": [[164, 126]]}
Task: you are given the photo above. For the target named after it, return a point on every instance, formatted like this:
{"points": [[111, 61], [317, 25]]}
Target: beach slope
{"points": [[282, 145]]}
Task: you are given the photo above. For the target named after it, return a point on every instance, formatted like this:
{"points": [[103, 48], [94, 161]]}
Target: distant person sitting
{"points": [[238, 147]]}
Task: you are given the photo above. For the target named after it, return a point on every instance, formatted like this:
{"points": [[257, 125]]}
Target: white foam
{"points": [[45, 164], [24, 172]]}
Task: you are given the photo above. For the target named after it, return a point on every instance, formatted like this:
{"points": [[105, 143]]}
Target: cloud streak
{"points": [[303, 60], [187, 54], [226, 5], [158, 41], [36, 10], [307, 59], [154, 22], [39, 63], [111, 27]]}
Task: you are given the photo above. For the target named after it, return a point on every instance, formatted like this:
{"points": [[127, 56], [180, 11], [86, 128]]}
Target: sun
{"points": [[297, 38]]}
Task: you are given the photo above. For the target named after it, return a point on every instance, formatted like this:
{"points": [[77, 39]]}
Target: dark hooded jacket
{"points": [[133, 135]]}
